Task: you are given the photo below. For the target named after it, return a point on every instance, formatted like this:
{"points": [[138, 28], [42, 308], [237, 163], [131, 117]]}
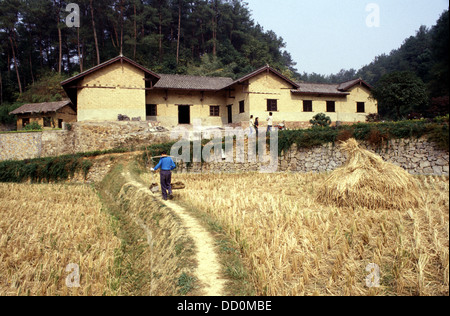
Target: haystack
{"points": [[366, 180]]}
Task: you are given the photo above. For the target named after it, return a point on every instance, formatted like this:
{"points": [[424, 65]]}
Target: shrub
{"points": [[376, 137], [344, 135], [374, 133], [373, 118], [34, 126], [321, 120], [439, 135]]}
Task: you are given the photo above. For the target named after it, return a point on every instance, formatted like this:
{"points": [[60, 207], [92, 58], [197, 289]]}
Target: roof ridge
{"points": [[196, 76]]}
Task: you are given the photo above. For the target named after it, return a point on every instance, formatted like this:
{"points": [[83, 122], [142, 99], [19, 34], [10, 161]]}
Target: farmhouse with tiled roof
{"points": [[47, 114], [120, 86]]}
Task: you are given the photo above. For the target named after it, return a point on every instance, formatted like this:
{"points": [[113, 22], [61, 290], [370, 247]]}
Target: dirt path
{"points": [[208, 270]]}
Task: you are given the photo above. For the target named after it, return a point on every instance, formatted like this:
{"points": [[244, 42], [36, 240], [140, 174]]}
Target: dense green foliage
{"points": [[5, 109], [197, 37], [376, 134], [320, 120], [43, 170], [400, 94], [425, 55], [61, 168], [213, 37]]}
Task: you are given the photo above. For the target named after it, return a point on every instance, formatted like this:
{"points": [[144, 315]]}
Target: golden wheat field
{"points": [[46, 229], [293, 245]]}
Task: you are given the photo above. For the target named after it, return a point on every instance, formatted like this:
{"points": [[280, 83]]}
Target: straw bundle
{"points": [[366, 180]]}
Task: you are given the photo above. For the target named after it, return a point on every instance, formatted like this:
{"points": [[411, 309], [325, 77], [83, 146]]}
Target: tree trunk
{"points": [[69, 66], [160, 33], [60, 50], [95, 33], [179, 31], [214, 27], [31, 70], [135, 32], [9, 63], [41, 53], [15, 64], [121, 28], [80, 59], [1, 89], [58, 11]]}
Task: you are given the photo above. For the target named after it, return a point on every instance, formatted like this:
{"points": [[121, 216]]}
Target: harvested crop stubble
{"points": [[45, 228], [291, 245], [366, 180]]}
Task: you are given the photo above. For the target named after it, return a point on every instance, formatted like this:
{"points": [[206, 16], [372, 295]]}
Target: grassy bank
{"points": [[155, 256], [376, 134]]}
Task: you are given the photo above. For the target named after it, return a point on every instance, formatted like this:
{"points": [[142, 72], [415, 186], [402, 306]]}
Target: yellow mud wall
{"points": [[33, 118], [113, 90], [269, 86], [67, 114], [290, 106], [234, 98], [168, 102], [359, 94]]}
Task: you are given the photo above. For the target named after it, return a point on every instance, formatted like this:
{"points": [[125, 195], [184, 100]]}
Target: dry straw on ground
{"points": [[292, 245], [367, 181], [44, 229]]}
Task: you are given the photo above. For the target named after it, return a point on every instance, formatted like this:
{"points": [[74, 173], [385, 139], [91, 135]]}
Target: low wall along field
{"points": [[20, 146], [79, 138], [418, 155]]}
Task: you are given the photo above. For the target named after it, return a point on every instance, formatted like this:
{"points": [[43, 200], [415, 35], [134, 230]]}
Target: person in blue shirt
{"points": [[166, 164]]}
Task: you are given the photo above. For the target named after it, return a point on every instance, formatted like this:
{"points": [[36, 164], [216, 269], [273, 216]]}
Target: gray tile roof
{"points": [[182, 82], [318, 88], [44, 107]]}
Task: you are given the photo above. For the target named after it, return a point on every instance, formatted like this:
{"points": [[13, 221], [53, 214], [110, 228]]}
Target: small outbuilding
{"points": [[47, 114]]}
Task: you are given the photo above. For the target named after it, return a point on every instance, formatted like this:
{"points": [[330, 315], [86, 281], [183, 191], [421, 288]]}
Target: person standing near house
{"points": [[270, 122], [167, 165], [251, 125], [256, 125]]}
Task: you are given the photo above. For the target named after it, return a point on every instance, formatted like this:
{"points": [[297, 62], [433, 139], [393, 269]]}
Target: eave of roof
{"points": [[107, 63], [266, 68], [44, 107], [318, 93], [345, 86], [192, 83], [319, 89]]}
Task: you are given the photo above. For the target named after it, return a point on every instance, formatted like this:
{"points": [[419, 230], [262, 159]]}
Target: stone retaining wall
{"points": [[20, 146], [417, 156], [80, 138]]}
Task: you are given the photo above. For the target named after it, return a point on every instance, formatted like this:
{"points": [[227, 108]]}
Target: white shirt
{"points": [[270, 121]]}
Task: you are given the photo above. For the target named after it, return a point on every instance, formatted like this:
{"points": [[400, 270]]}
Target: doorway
{"points": [[230, 114], [184, 114]]}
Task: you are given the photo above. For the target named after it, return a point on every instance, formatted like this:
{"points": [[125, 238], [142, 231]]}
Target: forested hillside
{"points": [[210, 37], [425, 54], [196, 37], [423, 58]]}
